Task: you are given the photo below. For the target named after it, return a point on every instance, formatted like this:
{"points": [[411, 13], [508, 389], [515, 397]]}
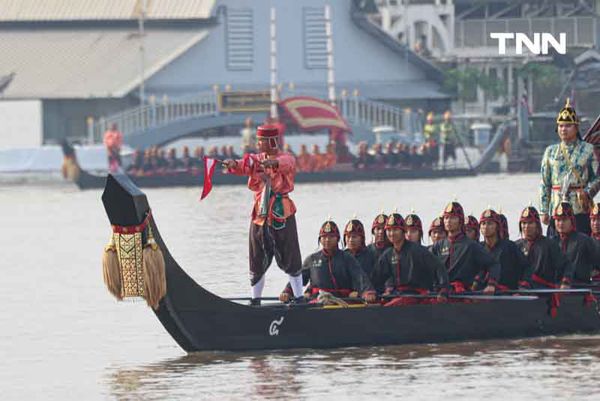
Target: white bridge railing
{"points": [[369, 113], [156, 113]]}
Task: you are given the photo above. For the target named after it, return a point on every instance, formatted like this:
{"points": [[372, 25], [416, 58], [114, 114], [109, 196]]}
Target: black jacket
{"points": [[376, 279], [514, 266], [333, 273], [366, 259], [414, 267], [465, 259], [546, 259], [583, 254]]}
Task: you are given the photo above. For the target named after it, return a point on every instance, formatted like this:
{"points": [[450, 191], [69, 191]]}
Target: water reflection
{"points": [[567, 365]]}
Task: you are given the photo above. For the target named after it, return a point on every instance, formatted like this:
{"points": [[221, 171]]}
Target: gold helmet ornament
{"points": [[354, 226], [567, 114], [329, 228]]}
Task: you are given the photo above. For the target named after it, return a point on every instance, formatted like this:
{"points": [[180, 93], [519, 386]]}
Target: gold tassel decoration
{"points": [[111, 270], [153, 266], [70, 169]]}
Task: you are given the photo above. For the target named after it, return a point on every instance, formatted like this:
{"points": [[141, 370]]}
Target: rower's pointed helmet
{"points": [[455, 209], [567, 114], [530, 215], [395, 220], [378, 222], [472, 222], [354, 226], [329, 228], [493, 216], [490, 215], [412, 220], [564, 210], [436, 224]]}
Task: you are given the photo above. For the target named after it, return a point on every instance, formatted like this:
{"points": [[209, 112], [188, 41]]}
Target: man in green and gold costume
{"points": [[568, 173]]}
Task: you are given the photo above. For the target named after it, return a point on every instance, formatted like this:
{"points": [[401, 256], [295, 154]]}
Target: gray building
{"points": [[80, 59], [456, 34]]}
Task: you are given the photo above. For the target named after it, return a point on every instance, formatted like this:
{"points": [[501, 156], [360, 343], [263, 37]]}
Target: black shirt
{"points": [[514, 266], [582, 252], [465, 259], [546, 259], [414, 266]]}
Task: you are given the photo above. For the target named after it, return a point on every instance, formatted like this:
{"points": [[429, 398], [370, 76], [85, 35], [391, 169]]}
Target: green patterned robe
{"points": [[554, 169]]}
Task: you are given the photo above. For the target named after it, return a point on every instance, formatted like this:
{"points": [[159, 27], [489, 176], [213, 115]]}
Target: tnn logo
{"points": [[539, 45]]}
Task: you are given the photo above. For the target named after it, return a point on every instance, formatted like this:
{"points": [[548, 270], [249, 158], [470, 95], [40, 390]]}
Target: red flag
{"points": [[209, 170]]}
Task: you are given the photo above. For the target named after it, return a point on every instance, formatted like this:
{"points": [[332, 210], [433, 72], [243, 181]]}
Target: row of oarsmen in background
{"points": [[159, 160], [396, 262]]}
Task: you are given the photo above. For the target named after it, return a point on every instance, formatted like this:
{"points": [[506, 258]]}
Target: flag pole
{"points": [[274, 94]]}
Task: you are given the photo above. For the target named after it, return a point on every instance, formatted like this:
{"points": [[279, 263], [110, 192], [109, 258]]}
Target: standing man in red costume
{"points": [[273, 230]]}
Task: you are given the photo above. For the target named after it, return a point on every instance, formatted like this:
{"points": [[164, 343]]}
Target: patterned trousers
{"points": [[266, 243]]}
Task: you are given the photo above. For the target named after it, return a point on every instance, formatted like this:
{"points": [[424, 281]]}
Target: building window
{"points": [[493, 76], [315, 38], [240, 39]]}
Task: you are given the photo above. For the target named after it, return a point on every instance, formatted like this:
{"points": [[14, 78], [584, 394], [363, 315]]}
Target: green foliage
{"points": [[464, 83], [544, 74]]}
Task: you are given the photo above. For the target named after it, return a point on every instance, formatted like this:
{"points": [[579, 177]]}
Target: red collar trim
{"points": [[132, 229]]}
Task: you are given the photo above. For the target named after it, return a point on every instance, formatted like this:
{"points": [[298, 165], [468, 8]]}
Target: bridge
{"points": [[164, 121]]}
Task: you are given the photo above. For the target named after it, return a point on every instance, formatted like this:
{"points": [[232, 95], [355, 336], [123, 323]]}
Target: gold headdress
{"points": [[567, 114]]}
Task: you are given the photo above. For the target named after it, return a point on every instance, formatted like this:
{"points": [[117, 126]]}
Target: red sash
{"points": [[408, 300], [457, 287], [554, 299]]}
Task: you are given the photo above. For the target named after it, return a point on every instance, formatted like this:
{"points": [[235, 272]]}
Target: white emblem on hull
{"points": [[274, 326]]}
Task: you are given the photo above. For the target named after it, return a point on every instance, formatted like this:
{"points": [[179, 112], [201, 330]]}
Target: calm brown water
{"points": [[63, 337]]}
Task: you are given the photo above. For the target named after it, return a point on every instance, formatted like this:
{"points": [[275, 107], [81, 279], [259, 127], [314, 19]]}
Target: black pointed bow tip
{"points": [[124, 202]]}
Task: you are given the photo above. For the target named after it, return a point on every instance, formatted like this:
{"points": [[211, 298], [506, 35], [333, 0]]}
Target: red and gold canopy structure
{"points": [[593, 134], [312, 114]]}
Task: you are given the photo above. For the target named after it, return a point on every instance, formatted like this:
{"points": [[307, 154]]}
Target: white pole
{"points": [[330, 67], [141, 19], [274, 97]]}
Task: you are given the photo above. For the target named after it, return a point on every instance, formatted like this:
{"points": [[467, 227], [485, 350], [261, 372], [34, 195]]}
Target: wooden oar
{"points": [[495, 297], [250, 298], [307, 303], [473, 296], [549, 291], [468, 295], [592, 285]]}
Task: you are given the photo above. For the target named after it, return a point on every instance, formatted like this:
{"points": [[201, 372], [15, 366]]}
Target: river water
{"points": [[62, 336]]}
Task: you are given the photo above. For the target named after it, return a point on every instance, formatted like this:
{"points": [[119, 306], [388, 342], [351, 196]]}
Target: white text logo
{"points": [[539, 44], [274, 326]]}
